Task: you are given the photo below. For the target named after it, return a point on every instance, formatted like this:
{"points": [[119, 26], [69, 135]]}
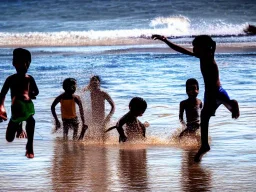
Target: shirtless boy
{"points": [[135, 130], [204, 49], [98, 98], [23, 88], [192, 107]]}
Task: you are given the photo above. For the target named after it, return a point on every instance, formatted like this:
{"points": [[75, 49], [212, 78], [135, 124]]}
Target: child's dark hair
{"points": [[21, 55], [192, 81], [95, 77], [68, 82], [204, 41], [138, 104]]}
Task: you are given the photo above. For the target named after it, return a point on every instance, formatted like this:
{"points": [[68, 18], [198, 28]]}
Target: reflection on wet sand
{"points": [[77, 167], [193, 176], [132, 168]]}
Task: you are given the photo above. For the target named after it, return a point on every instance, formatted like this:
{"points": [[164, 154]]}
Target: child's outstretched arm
{"points": [[172, 45], [4, 91], [55, 102], [81, 110]]}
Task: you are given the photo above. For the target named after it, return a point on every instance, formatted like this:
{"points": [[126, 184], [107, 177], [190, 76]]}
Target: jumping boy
{"points": [[204, 49], [192, 107], [135, 130], [68, 101], [23, 88]]}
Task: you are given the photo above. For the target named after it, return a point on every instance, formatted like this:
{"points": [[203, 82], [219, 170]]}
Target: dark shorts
{"points": [[213, 100], [70, 124]]}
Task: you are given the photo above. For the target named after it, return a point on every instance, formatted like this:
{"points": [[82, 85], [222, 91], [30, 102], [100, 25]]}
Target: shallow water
{"points": [[146, 68], [162, 163]]}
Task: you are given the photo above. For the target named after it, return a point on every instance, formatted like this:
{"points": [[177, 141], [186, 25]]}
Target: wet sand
{"points": [[80, 166]]}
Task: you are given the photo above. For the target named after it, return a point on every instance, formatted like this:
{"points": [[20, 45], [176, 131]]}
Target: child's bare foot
{"points": [[201, 152], [235, 109], [29, 155]]}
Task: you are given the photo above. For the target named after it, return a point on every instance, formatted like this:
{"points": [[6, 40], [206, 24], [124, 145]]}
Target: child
{"points": [[23, 88], [192, 106], [134, 128], [98, 98], [68, 101], [204, 49]]}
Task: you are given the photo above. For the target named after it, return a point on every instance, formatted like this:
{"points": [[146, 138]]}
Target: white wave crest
{"points": [[180, 28], [170, 21], [175, 24]]}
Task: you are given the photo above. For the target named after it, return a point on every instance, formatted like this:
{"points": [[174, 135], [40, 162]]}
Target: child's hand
{"points": [[183, 123], [22, 134], [123, 138], [84, 128], [146, 124], [159, 37], [3, 115], [57, 123]]}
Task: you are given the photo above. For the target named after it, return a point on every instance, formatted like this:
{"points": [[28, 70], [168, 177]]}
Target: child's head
{"points": [[21, 60], [203, 45], [192, 88], [138, 106], [95, 82], [69, 85]]}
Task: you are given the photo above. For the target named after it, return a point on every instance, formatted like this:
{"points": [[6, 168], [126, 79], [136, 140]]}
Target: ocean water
{"points": [[112, 39]]}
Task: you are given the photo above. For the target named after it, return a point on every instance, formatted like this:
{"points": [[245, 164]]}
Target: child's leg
{"points": [[75, 127], [205, 118], [231, 105], [30, 129], [65, 129], [190, 129], [11, 130]]}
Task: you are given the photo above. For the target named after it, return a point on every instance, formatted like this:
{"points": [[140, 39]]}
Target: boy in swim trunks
{"points": [[204, 49], [192, 107], [23, 88], [68, 101], [135, 130]]}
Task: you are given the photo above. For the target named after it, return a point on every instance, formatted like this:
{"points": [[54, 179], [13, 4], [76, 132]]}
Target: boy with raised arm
{"points": [[192, 107], [23, 88], [204, 49], [68, 101]]}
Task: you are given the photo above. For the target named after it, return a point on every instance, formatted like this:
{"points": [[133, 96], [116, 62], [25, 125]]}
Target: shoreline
{"points": [[149, 47], [111, 42]]}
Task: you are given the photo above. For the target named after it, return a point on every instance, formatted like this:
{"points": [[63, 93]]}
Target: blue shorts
{"points": [[213, 100]]}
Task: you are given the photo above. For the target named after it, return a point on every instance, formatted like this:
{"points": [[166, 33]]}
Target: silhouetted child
{"points": [[98, 98], [68, 101], [135, 130], [204, 49], [23, 88], [192, 107]]}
